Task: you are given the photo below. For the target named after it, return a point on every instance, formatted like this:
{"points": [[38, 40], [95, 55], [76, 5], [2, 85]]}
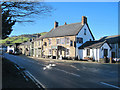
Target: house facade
{"points": [[114, 42], [95, 50], [13, 47], [26, 48], [63, 41], [72, 41], [37, 50]]}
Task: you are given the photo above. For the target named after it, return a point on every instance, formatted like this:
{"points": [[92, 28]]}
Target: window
{"points": [[60, 52], [84, 31], [50, 51], [74, 44], [45, 43], [112, 45], [88, 52], [71, 43], [67, 52], [67, 40], [118, 45], [58, 41], [62, 41], [49, 41], [39, 43], [79, 40], [105, 52]]}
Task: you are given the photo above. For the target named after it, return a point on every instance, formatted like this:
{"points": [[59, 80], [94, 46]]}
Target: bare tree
{"points": [[24, 11], [21, 12]]}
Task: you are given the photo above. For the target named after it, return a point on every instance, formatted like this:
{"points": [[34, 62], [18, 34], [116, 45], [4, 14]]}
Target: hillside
{"points": [[20, 38]]}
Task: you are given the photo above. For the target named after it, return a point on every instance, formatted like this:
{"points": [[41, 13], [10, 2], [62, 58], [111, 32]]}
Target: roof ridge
{"points": [[113, 36], [67, 24]]}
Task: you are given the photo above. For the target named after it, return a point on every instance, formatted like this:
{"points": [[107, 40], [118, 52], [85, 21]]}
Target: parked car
{"points": [[10, 51], [116, 59], [16, 53]]}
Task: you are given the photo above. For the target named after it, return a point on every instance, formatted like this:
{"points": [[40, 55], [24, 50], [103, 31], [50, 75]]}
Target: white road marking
{"points": [[53, 65], [17, 67], [110, 85], [44, 68], [34, 79], [21, 72], [68, 72], [75, 67], [49, 66]]}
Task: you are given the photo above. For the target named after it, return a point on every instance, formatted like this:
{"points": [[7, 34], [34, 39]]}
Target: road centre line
{"points": [[67, 72], [75, 67], [110, 85]]}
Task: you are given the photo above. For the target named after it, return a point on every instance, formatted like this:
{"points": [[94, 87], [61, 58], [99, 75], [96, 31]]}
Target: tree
{"points": [[7, 24], [21, 12]]}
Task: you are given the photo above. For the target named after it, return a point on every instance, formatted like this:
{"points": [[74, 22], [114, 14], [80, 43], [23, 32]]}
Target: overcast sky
{"points": [[102, 18]]}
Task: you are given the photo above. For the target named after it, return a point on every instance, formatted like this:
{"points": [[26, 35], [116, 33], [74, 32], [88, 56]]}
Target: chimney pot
{"points": [[55, 24], [84, 20]]}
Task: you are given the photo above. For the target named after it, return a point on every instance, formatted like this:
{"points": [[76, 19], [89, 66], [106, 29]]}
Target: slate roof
{"points": [[64, 30], [93, 44], [25, 43], [111, 39]]}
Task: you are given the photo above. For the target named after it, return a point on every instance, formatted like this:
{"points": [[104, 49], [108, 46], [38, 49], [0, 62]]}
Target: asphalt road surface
{"points": [[53, 74]]}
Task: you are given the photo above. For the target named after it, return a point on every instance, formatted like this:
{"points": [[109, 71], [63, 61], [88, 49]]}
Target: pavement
{"points": [[14, 77], [68, 74], [68, 61]]}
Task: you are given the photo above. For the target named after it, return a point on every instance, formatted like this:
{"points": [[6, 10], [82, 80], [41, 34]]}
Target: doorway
{"points": [[113, 54]]}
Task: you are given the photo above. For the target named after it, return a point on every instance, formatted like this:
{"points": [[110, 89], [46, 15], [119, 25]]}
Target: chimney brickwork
{"points": [[84, 20], [55, 24], [65, 23]]}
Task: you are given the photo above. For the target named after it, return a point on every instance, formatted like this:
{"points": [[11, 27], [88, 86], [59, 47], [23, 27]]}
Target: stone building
{"points": [[63, 41]]}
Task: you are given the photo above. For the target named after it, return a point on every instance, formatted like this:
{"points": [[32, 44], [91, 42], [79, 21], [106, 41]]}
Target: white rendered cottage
{"points": [[95, 50]]}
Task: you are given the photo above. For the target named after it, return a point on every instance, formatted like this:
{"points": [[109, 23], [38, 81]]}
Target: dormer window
{"points": [[84, 31]]}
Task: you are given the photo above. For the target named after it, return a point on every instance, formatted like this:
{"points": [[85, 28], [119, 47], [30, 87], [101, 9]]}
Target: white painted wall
{"points": [[105, 46], [10, 48], [95, 53], [86, 37], [83, 53]]}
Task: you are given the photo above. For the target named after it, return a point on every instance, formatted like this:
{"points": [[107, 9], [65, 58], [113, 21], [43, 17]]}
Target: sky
{"points": [[102, 18]]}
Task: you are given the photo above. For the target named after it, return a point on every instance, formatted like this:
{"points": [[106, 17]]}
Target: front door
{"points": [[105, 52], [113, 54]]}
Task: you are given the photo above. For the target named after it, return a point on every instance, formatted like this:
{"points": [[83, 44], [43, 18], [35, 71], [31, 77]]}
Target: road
{"points": [[69, 75]]}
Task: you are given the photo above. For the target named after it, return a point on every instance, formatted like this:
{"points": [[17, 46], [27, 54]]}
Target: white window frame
{"points": [[63, 40], [79, 38], [87, 52], [68, 41], [56, 41], [39, 43], [50, 53], [49, 41], [85, 32]]}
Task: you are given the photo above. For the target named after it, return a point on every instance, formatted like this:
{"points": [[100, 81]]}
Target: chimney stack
{"points": [[65, 23], [55, 24], [84, 20]]}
